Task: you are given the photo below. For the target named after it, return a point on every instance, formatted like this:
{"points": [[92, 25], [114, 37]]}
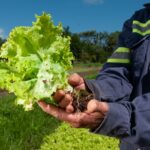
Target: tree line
{"points": [[90, 46]]}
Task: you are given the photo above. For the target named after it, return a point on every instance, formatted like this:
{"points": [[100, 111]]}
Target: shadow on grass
{"points": [[21, 130]]}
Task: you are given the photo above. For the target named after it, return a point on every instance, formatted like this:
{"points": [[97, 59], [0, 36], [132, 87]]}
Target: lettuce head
{"points": [[35, 60]]}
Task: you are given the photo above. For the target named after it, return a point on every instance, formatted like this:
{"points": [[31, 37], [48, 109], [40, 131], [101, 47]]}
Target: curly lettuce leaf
{"points": [[35, 60]]}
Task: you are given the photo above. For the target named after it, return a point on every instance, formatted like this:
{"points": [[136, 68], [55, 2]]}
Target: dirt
{"points": [[81, 99]]}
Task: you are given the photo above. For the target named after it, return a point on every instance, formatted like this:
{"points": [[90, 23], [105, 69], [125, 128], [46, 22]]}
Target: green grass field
{"points": [[35, 130]]}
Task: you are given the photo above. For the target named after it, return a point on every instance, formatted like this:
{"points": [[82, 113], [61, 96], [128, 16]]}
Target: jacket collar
{"points": [[147, 5]]}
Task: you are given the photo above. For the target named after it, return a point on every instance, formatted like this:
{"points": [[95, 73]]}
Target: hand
{"points": [[90, 118], [65, 100]]}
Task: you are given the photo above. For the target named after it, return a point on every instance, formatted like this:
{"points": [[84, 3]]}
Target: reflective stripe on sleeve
{"points": [[115, 60], [120, 55]]}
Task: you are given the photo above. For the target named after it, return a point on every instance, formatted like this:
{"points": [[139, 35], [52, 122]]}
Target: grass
{"points": [[80, 67], [36, 130], [67, 138], [89, 70], [20, 130]]}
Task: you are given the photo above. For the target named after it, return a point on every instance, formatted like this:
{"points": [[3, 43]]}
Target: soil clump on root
{"points": [[81, 99]]}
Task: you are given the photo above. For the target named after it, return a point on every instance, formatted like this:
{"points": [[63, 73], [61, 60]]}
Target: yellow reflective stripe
{"points": [[142, 33], [116, 60], [122, 49], [120, 55], [141, 24]]}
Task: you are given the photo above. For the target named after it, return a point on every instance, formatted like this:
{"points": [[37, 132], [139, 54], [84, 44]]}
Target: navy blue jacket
{"points": [[124, 82]]}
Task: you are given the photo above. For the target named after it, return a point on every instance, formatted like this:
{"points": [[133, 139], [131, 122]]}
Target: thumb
{"points": [[97, 106], [77, 81]]}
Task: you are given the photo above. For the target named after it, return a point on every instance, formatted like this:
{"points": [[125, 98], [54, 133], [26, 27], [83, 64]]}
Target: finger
{"points": [[97, 106], [92, 106], [58, 112], [69, 108], [65, 101], [104, 107], [52, 110], [59, 95], [76, 81]]}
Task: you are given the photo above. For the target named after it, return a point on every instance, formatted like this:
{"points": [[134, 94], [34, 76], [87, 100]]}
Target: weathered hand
{"points": [[63, 99], [91, 118]]}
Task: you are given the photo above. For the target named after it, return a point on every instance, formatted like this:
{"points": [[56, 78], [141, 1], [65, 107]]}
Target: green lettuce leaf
{"points": [[35, 60]]}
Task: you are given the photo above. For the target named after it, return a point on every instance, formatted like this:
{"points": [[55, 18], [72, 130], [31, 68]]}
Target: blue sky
{"points": [[79, 15]]}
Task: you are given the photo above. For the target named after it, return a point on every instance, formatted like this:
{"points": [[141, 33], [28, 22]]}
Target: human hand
{"points": [[90, 118], [65, 99]]}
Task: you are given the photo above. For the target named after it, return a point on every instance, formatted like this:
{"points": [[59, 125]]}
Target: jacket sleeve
{"points": [[126, 120], [113, 85]]}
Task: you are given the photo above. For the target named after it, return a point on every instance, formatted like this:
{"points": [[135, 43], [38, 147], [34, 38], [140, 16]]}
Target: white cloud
{"points": [[93, 2], [1, 32]]}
